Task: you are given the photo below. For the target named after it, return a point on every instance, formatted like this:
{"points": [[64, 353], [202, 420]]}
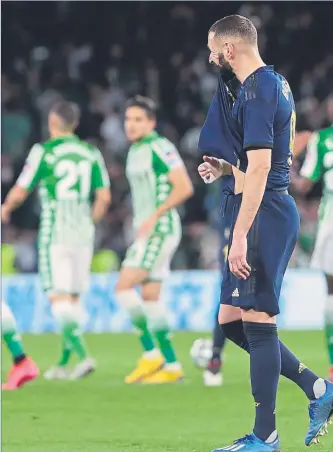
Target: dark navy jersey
{"points": [[266, 118], [261, 116], [228, 184], [219, 135]]}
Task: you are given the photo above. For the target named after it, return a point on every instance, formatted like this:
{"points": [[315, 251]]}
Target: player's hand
{"points": [[210, 170], [147, 227], [5, 214], [237, 257]]}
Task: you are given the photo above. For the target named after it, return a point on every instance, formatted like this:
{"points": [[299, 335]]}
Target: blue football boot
{"points": [[320, 413], [251, 443]]}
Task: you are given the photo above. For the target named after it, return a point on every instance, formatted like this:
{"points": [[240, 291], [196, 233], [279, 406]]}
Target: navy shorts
{"points": [[271, 241]]}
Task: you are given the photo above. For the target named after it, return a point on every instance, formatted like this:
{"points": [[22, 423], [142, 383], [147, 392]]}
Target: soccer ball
{"points": [[201, 352]]}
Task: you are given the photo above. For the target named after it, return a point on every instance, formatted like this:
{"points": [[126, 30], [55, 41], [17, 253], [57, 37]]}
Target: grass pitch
{"points": [[102, 414]]}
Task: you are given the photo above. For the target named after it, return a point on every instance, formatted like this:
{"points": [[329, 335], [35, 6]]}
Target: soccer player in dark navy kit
{"points": [[256, 137]]}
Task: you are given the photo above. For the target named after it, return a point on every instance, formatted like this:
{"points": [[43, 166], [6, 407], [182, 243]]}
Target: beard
{"points": [[223, 64]]}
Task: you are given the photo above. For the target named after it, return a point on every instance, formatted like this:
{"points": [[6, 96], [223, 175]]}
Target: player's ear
{"points": [[230, 50]]}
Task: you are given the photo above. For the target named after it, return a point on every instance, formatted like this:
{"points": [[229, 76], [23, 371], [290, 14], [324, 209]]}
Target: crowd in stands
{"points": [[100, 53]]}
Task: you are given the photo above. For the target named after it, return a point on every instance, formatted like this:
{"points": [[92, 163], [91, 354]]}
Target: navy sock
{"points": [[291, 367], [265, 361], [218, 341]]}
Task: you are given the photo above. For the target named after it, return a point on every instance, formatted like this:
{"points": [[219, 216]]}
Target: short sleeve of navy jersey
{"points": [[259, 108]]}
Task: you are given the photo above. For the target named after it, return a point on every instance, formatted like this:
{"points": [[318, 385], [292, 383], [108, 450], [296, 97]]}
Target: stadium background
{"points": [[98, 54]]}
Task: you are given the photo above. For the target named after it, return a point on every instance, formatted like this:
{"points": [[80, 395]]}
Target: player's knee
{"points": [[257, 317], [151, 291], [228, 314], [129, 299], [122, 285], [59, 297], [130, 278], [63, 311]]}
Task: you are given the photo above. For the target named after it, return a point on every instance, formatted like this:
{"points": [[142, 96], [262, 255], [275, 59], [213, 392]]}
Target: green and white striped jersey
{"points": [[67, 171], [318, 165], [148, 163]]}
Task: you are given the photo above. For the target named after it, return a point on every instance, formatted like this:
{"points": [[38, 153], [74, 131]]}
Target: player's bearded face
{"points": [[223, 63]]}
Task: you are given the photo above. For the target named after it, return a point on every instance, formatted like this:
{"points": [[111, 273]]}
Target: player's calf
{"points": [[69, 316], [265, 369]]}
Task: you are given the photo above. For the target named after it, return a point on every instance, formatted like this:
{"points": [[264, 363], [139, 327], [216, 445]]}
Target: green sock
{"points": [[163, 337], [65, 353], [329, 327], [73, 336], [159, 325], [13, 341], [10, 334], [139, 321]]}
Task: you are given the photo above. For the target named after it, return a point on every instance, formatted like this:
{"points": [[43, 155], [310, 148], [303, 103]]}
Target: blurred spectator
{"points": [[159, 51]]}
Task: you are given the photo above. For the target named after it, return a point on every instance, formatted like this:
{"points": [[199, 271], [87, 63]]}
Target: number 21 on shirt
{"points": [[75, 179]]}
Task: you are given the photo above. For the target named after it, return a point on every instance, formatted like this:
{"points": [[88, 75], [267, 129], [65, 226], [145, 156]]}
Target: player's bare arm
{"points": [[259, 164], [16, 196], [182, 189], [101, 204]]}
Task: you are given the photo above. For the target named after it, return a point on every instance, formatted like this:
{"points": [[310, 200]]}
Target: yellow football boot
{"points": [[164, 376], [144, 368]]}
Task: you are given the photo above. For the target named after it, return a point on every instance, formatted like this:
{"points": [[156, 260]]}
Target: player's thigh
{"points": [[81, 263], [228, 313], [133, 271], [55, 269], [130, 277], [161, 251], [322, 257]]}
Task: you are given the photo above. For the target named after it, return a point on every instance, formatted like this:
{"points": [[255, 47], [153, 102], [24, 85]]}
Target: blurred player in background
{"points": [[159, 183], [211, 170], [24, 369], [213, 375], [318, 165], [69, 172]]}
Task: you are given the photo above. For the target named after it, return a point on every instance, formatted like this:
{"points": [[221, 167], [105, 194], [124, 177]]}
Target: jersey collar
{"points": [[147, 138], [268, 68]]}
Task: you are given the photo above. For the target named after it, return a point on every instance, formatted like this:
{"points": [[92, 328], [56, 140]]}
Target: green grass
{"points": [[102, 414]]}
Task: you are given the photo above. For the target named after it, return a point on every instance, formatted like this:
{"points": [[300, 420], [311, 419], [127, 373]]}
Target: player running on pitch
{"points": [[256, 137], [159, 183], [318, 165], [69, 172]]}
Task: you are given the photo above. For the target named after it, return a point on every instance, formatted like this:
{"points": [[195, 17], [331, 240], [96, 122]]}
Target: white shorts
{"points": [[65, 269], [322, 257], [153, 254]]}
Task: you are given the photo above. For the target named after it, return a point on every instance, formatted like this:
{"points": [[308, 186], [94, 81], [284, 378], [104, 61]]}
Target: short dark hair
{"points": [[236, 26], [147, 104], [68, 112]]}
